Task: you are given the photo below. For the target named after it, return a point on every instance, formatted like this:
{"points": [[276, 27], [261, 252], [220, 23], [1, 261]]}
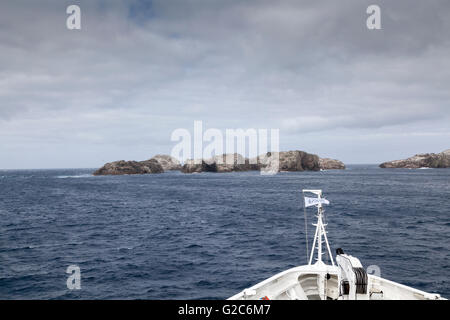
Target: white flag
{"points": [[314, 201]]}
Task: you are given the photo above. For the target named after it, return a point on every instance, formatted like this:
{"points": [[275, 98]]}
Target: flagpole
{"points": [[306, 228], [320, 227]]}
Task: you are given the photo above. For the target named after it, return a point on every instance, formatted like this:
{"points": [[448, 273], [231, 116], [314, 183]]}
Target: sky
{"points": [[138, 70]]}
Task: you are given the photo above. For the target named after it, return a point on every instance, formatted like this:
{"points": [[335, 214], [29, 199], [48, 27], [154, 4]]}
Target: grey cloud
{"points": [[306, 67]]}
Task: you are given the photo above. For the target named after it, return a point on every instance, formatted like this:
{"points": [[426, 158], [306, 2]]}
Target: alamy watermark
{"points": [[74, 280], [252, 146], [73, 22], [373, 22], [374, 270]]}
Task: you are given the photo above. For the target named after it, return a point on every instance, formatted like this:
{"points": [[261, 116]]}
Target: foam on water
{"points": [[76, 176]]}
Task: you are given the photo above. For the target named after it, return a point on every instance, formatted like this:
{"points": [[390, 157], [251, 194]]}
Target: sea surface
{"points": [[209, 235]]}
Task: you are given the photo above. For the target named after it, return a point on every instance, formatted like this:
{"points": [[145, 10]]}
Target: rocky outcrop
{"points": [[168, 163], [130, 167], [269, 162], [289, 161], [424, 160], [330, 164]]}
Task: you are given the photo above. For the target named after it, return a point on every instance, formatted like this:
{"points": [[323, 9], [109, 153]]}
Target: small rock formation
{"points": [[129, 167], [330, 164], [167, 162], [424, 160]]}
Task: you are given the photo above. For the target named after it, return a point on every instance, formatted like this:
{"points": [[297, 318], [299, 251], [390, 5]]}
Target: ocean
{"points": [[210, 235]]}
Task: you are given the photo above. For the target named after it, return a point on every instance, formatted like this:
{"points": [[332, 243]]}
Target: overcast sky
{"points": [[137, 70]]}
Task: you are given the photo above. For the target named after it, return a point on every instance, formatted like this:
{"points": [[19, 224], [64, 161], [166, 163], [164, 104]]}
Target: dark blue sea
{"points": [[209, 235]]}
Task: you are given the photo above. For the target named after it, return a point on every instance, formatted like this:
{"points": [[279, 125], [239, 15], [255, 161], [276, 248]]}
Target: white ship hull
{"points": [[309, 282]]}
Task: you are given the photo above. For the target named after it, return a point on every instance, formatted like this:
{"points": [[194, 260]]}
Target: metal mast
{"points": [[320, 231]]}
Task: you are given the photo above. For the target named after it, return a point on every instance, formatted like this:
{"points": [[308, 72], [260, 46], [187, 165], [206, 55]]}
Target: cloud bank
{"points": [[137, 70]]}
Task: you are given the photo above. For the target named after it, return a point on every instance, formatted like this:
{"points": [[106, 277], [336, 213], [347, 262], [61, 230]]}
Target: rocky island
{"points": [[157, 164], [288, 161], [424, 160]]}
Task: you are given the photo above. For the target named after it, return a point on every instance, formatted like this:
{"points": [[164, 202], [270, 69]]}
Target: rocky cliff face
{"points": [[424, 160], [167, 162], [130, 167], [330, 164]]}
